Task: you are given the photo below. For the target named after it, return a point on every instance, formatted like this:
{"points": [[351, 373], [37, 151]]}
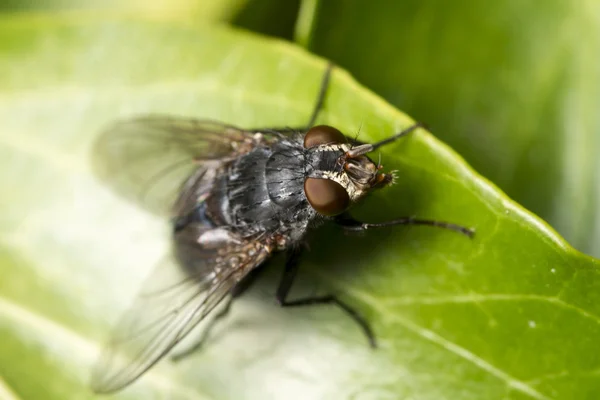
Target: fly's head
{"points": [[338, 173]]}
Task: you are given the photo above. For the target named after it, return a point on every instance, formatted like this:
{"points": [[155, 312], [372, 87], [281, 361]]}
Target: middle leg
{"points": [[291, 268]]}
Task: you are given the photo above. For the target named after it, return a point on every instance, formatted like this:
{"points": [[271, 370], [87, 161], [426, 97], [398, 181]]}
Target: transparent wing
{"points": [[172, 301], [148, 159]]}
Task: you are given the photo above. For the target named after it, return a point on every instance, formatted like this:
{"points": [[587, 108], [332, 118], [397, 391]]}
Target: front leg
{"points": [[350, 224], [316, 109]]}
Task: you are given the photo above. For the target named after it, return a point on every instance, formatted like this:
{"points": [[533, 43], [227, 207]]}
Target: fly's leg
{"points": [[315, 114], [321, 96], [236, 292], [350, 224], [291, 268]]}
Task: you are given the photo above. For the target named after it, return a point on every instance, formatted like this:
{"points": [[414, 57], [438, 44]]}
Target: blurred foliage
{"points": [[196, 10], [513, 86], [269, 17]]}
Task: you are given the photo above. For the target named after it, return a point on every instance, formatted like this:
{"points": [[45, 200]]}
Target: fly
{"points": [[235, 196]]}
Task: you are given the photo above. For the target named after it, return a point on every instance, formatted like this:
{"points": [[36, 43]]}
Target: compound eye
{"points": [[327, 197], [323, 134]]}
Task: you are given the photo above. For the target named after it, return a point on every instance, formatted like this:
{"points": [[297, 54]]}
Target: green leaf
{"points": [[513, 86], [512, 314]]}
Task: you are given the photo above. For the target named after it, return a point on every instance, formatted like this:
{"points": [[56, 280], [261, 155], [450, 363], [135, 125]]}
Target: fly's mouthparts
{"points": [[384, 179]]}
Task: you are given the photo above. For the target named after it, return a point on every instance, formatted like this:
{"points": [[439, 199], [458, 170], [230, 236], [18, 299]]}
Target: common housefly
{"points": [[235, 197]]}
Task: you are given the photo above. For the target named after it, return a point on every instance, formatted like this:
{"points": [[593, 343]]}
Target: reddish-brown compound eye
{"points": [[327, 197], [323, 134]]}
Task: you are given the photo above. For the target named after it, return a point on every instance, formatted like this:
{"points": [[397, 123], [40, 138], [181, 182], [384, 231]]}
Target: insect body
{"points": [[235, 197]]}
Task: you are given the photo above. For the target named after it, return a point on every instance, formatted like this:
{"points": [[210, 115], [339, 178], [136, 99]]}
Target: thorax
{"points": [[263, 191]]}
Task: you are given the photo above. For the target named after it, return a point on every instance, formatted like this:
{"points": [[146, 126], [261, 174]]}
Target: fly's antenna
{"points": [[367, 148]]}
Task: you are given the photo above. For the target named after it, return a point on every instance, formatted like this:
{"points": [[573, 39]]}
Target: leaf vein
{"points": [[450, 346], [477, 297]]}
